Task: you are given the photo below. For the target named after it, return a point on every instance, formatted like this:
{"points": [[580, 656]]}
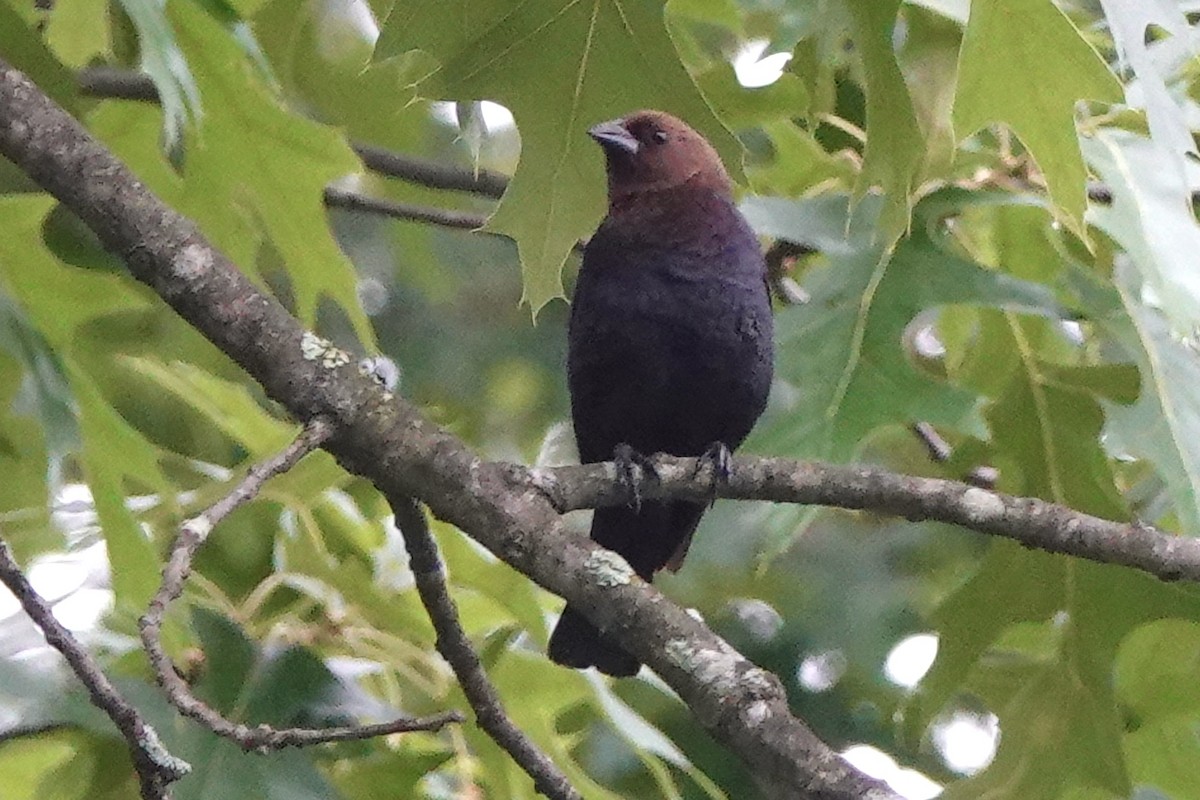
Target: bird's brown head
{"points": [[651, 151]]}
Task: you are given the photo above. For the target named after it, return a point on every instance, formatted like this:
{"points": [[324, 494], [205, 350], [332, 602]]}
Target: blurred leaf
{"points": [[895, 146], [25, 50], [24, 761], [740, 107], [1151, 218], [929, 61], [1024, 64], [227, 405], [78, 31], [623, 60], [270, 166], [1163, 426], [1131, 25], [1165, 755], [846, 347], [164, 61], [1153, 673]]}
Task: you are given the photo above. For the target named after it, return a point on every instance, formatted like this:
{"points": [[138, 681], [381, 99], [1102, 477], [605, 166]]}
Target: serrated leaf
{"points": [[895, 146], [1024, 64], [1129, 24], [1151, 218], [226, 404], [846, 346], [622, 59], [1163, 426], [252, 163]]}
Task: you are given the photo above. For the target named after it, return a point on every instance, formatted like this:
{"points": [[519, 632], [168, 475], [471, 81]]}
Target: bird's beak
{"points": [[613, 134]]}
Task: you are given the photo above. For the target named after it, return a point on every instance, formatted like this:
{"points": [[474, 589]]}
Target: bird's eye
{"points": [[659, 137]]}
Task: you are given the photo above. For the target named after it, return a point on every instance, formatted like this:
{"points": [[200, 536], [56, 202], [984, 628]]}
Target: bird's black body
{"points": [[670, 350]]}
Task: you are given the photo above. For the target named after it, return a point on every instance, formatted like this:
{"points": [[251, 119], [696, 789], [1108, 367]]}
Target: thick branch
{"points": [[192, 534], [455, 647], [1032, 522], [157, 769], [387, 440]]}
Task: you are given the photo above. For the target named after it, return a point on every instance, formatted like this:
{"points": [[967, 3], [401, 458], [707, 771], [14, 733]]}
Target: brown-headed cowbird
{"points": [[669, 345]]}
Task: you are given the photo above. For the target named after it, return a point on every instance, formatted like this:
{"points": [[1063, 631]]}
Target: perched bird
{"points": [[669, 345]]}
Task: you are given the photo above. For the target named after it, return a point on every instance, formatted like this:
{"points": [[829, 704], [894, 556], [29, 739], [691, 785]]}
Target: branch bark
{"points": [[1032, 522], [387, 440], [156, 768], [192, 534], [455, 647]]}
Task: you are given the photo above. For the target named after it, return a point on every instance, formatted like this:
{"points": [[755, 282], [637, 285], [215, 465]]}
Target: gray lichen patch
{"points": [[981, 504], [717, 668], [607, 568], [314, 348], [193, 261]]}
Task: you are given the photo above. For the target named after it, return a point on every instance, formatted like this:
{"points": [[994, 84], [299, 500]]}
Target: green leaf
{"points": [[845, 347], [252, 163], [165, 63], [739, 107], [58, 299], [1155, 669], [622, 60], [1130, 24], [78, 31], [895, 145], [134, 561], [1166, 755], [24, 49], [1163, 426], [1025, 65], [24, 762], [228, 405], [1151, 218]]}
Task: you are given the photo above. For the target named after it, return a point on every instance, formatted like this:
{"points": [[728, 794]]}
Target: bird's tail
{"points": [[578, 643]]}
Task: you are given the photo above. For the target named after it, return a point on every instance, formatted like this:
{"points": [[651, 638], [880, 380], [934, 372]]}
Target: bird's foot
{"points": [[633, 468], [720, 459]]}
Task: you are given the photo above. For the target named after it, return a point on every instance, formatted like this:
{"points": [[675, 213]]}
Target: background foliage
{"points": [[997, 196]]}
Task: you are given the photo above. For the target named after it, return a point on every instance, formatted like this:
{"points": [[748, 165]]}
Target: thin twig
{"points": [[192, 534], [432, 174], [116, 83], [1028, 520], [126, 84], [940, 451], [452, 642], [157, 769], [353, 201], [780, 258]]}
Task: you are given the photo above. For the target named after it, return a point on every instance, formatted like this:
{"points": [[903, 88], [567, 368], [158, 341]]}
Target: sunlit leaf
{"points": [[622, 60], [1024, 64]]}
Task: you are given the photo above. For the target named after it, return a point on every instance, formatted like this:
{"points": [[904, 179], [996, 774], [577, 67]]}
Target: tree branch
{"points": [[940, 452], [455, 647], [431, 174], [192, 534], [127, 84], [447, 218], [387, 440], [1032, 522], [156, 768]]}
